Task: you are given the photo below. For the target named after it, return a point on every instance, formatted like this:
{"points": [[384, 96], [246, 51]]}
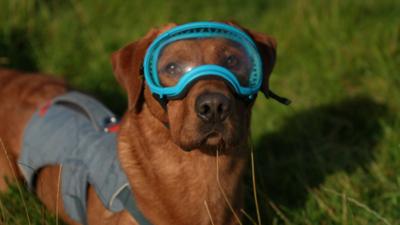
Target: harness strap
{"points": [[95, 111], [128, 200]]}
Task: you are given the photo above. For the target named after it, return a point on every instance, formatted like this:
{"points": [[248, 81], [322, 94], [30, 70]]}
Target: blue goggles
{"points": [[186, 53]]}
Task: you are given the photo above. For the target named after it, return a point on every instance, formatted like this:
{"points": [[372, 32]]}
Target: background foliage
{"points": [[332, 157]]}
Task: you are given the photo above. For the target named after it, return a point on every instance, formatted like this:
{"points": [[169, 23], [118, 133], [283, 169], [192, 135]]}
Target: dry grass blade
{"points": [[248, 217], [361, 205], [16, 180], [3, 212], [208, 212], [322, 204], [253, 176], [223, 192], [344, 209], [279, 213], [58, 194]]}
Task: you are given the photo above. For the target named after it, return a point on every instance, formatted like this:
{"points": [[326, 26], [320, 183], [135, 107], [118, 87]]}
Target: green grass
{"points": [[332, 157]]}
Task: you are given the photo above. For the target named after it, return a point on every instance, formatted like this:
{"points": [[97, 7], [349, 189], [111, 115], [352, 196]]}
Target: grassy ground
{"points": [[332, 157]]}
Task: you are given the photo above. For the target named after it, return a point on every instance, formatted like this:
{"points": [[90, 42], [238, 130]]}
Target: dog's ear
{"points": [[127, 67], [267, 47]]}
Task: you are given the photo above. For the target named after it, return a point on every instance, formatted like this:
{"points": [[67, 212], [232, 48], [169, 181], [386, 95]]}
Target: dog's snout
{"points": [[212, 107]]}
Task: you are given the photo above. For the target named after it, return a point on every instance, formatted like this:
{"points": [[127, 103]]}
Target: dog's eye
{"points": [[232, 62], [173, 69]]}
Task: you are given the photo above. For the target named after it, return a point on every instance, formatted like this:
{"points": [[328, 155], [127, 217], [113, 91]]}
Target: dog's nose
{"points": [[212, 107]]}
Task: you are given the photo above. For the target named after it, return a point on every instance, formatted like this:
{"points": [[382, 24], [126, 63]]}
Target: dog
{"points": [[184, 160]]}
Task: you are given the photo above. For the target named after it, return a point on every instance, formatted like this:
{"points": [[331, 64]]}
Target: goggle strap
{"points": [[163, 102], [278, 98], [141, 69]]}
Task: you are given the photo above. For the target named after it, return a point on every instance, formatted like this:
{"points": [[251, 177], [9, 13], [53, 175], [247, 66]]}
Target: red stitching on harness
{"points": [[113, 128], [43, 110]]}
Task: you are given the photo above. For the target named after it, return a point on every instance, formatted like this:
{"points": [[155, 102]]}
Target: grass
{"points": [[332, 157]]}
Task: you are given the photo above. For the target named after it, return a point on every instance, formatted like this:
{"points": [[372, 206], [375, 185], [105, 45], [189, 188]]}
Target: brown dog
{"points": [[169, 154]]}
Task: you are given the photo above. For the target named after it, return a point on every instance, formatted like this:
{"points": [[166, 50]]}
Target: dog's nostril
{"points": [[212, 107], [205, 109], [221, 109]]}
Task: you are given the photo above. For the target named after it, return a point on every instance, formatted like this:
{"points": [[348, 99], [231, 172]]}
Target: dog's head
{"points": [[210, 114]]}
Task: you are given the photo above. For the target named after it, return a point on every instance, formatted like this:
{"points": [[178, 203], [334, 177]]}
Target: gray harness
{"points": [[72, 132]]}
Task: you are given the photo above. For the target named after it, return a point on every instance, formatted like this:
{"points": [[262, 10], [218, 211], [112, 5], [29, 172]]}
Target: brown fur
{"points": [[171, 185]]}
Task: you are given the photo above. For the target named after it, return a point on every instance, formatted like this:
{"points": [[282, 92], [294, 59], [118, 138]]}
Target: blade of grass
{"points": [[344, 209], [279, 213], [2, 211], [16, 180], [248, 217], [253, 176], [323, 205], [361, 205], [223, 192], [58, 194], [208, 212]]}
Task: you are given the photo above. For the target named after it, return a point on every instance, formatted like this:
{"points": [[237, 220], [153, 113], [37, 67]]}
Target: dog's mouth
{"points": [[209, 141], [213, 138]]}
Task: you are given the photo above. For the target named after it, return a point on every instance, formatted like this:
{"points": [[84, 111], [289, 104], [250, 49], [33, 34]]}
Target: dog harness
{"points": [[77, 132]]}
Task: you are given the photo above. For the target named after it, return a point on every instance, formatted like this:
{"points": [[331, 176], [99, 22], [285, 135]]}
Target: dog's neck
{"points": [[173, 186]]}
